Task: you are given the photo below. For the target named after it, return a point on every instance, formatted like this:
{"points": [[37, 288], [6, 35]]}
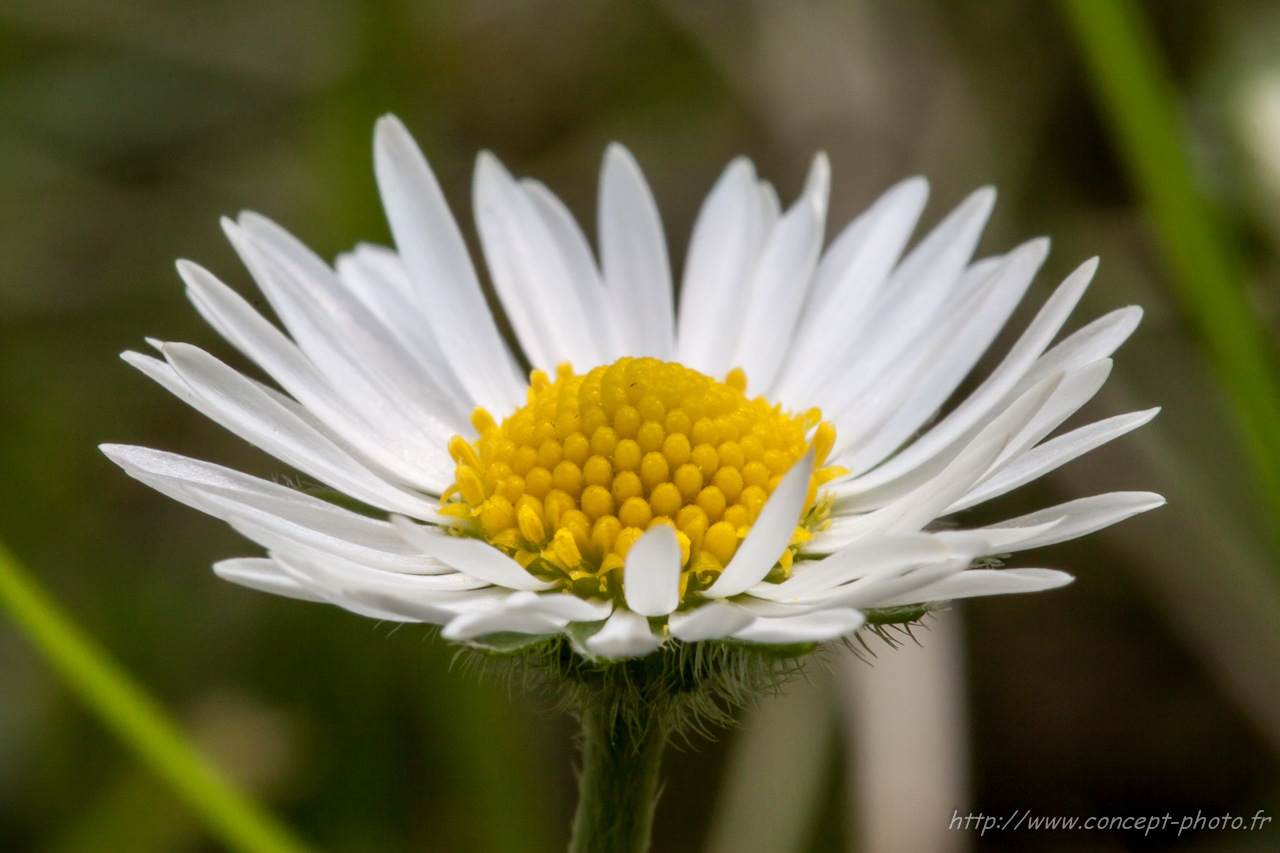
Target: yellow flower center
{"points": [[567, 483]]}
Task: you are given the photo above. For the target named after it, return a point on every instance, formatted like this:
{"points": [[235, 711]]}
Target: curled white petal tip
{"points": [[264, 575]]}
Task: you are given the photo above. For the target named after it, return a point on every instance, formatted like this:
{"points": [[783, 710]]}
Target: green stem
{"points": [[139, 721], [1139, 101], [618, 789]]}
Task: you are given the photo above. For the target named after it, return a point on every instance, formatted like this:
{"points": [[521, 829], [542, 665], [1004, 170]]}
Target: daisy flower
{"points": [[762, 463]]}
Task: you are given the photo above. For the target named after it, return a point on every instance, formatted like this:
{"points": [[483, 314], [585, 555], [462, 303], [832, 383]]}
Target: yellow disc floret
{"points": [[569, 482]]}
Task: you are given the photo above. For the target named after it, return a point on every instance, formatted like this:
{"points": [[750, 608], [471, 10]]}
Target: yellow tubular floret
{"points": [[568, 482]]}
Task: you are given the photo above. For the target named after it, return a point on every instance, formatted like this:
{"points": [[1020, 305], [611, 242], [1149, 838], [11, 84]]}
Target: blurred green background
{"points": [[1152, 684]]}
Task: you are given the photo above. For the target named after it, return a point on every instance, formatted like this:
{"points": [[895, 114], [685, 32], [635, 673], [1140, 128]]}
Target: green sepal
{"points": [[769, 651], [907, 614], [507, 642], [578, 632]]}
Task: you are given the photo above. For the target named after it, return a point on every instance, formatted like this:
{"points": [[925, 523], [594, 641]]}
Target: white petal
{"points": [[378, 595], [770, 206], [439, 609], [861, 558], [358, 604], [780, 283], [769, 536], [280, 357], [713, 621], [984, 403], [911, 512], [890, 578], [848, 280], [991, 540], [770, 609], [375, 605], [476, 558], [1081, 517], [273, 532], [575, 251], [867, 248], [633, 255], [470, 625], [816, 627], [1096, 341], [930, 277], [354, 575], [651, 576], [723, 249], [222, 491], [166, 376], [625, 635], [861, 492], [428, 239], [378, 273], [560, 605], [377, 277], [407, 435], [874, 590], [529, 272], [867, 388], [333, 414], [264, 575], [977, 582], [928, 502], [526, 613], [362, 360], [1053, 454], [942, 255], [238, 404], [1074, 391], [311, 294], [905, 397], [381, 605]]}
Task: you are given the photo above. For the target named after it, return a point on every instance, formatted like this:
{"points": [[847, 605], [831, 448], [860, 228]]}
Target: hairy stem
{"points": [[618, 788]]}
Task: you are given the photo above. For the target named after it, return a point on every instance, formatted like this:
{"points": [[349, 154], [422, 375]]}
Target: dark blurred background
{"points": [[1150, 685]]}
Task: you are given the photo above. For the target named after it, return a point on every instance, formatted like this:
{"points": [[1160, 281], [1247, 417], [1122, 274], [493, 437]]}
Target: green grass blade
{"points": [[136, 719], [1139, 101]]}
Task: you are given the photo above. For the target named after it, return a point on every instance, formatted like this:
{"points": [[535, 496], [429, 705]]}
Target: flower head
{"points": [[754, 467]]}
